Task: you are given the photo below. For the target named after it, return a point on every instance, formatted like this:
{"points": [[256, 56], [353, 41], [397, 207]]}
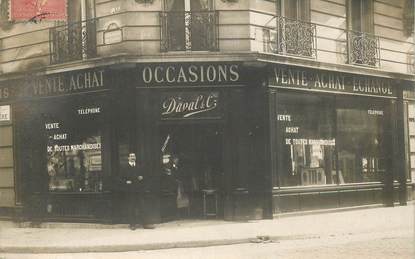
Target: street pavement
{"points": [[60, 238], [396, 244]]}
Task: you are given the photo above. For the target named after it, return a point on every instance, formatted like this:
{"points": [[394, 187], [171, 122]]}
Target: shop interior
{"points": [[192, 170]]}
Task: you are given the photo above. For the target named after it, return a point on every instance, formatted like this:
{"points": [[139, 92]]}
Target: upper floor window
{"points": [[361, 15], [76, 39], [363, 45], [294, 9], [294, 34], [189, 25]]}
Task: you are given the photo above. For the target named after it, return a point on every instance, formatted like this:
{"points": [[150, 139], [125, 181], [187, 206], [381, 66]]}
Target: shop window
{"points": [[7, 159], [330, 140], [362, 141], [306, 140], [74, 148]]}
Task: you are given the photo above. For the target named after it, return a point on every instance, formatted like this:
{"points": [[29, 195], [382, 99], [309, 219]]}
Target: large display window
{"points": [[306, 140], [362, 140], [327, 140], [73, 132]]}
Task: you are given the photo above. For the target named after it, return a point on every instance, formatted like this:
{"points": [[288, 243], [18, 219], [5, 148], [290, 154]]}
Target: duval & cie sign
{"points": [[189, 74], [325, 81], [190, 105]]}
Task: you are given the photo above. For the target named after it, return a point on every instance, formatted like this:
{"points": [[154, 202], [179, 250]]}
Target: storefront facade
{"points": [[250, 140], [74, 130], [205, 115], [61, 142], [335, 140]]}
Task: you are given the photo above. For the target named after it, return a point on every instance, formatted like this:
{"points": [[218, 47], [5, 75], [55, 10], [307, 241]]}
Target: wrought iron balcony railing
{"points": [[185, 31], [291, 37], [195, 31], [74, 41], [363, 49]]}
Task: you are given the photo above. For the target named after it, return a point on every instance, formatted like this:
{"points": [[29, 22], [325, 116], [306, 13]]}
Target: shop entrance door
{"points": [[191, 171]]}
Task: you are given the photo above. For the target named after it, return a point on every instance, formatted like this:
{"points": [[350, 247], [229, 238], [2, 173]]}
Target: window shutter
{"points": [[5, 24], [408, 17]]}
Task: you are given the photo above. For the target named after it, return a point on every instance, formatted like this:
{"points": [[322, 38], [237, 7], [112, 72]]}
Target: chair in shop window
{"points": [[210, 209]]}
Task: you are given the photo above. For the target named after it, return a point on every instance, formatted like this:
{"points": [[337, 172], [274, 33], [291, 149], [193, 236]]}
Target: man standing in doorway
{"points": [[135, 180]]}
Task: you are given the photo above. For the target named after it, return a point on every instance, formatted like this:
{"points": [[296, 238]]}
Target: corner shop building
{"points": [[263, 138]]}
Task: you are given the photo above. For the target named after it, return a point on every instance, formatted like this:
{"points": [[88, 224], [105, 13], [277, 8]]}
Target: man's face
{"points": [[131, 158]]}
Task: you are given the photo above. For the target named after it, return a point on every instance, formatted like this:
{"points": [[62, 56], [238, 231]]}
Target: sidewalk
{"points": [[74, 237]]}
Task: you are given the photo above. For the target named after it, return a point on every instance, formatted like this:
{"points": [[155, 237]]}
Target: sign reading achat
{"points": [[174, 74], [53, 85], [316, 80], [190, 105]]}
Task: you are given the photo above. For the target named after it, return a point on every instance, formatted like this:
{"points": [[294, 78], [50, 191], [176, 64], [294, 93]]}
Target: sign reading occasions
{"points": [[190, 105], [316, 80], [185, 74]]}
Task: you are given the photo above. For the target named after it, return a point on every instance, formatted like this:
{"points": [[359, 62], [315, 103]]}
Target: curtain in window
{"points": [[294, 9], [361, 15], [179, 5]]}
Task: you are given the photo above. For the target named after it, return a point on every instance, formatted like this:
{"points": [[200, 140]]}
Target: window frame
{"points": [[366, 16]]}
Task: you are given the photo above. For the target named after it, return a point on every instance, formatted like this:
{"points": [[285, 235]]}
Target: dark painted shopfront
{"points": [[62, 134], [246, 140], [209, 116], [74, 130], [334, 140]]}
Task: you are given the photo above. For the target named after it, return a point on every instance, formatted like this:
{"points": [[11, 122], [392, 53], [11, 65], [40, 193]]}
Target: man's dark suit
{"points": [[135, 190]]}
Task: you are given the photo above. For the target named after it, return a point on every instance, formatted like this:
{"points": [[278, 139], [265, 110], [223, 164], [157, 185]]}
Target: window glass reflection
{"points": [[74, 148], [361, 142], [307, 143], [331, 140]]}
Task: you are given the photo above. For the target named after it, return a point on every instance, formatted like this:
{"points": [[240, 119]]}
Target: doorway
{"points": [[191, 170]]}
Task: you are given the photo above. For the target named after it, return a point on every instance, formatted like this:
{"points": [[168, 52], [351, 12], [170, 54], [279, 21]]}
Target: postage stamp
{"points": [[36, 10]]}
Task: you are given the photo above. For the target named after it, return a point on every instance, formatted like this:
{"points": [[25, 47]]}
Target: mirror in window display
{"points": [[362, 143], [307, 143], [74, 156]]}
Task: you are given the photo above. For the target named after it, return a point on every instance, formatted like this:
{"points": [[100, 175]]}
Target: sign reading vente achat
{"points": [[188, 105], [335, 82]]}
